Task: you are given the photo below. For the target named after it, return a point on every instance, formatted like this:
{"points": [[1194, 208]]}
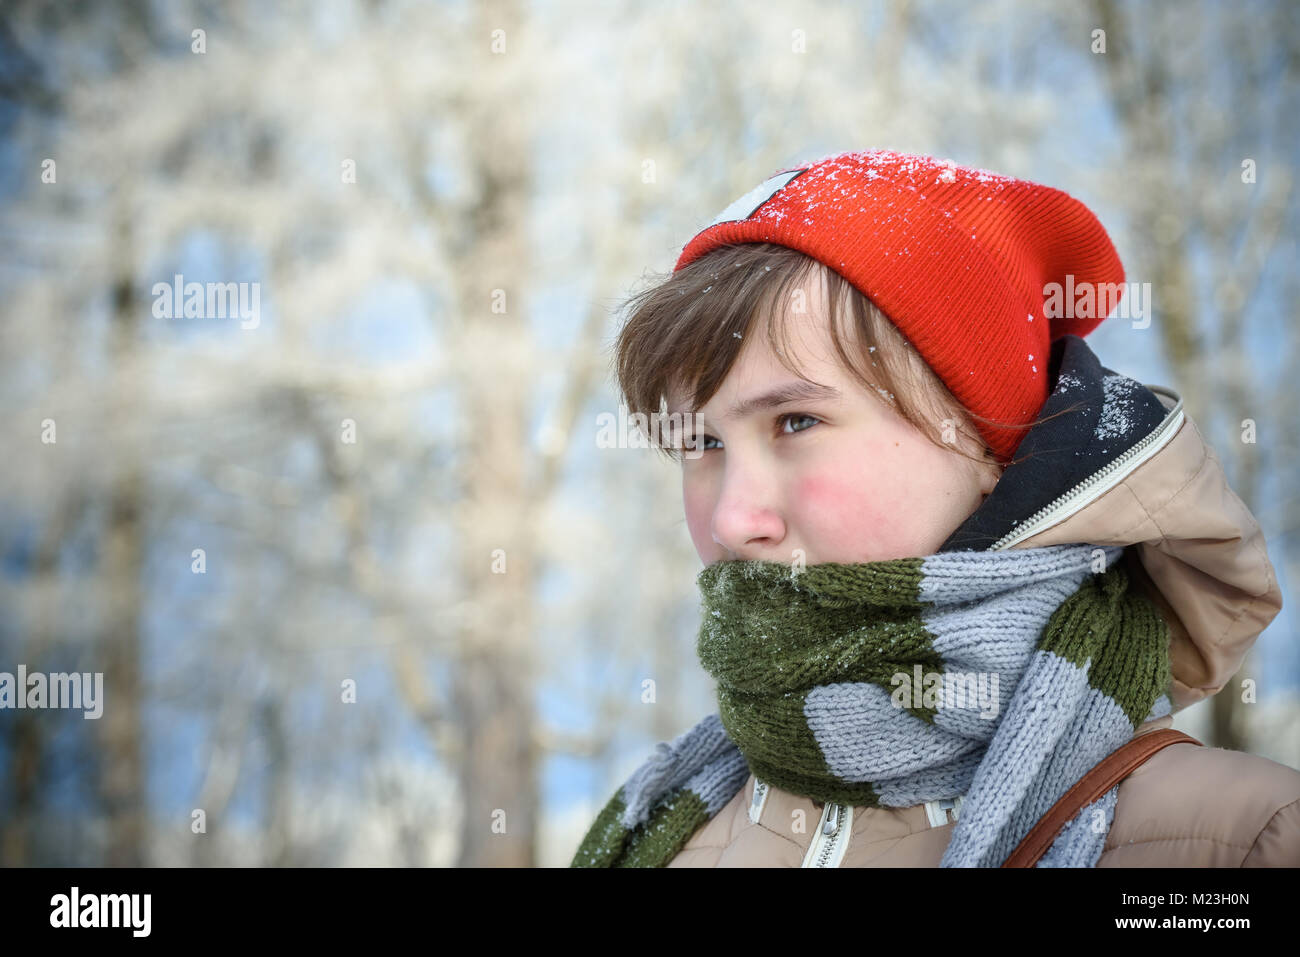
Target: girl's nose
{"points": [[746, 521]]}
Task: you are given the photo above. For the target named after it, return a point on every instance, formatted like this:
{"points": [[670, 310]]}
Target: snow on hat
{"points": [[962, 260]]}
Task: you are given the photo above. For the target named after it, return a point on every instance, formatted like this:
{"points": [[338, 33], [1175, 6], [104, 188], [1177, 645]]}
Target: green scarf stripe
{"points": [[786, 752], [606, 837], [669, 827], [823, 635], [1134, 672], [650, 844], [895, 583]]}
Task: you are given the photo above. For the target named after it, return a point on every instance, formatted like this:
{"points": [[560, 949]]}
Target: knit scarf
{"points": [[1003, 676]]}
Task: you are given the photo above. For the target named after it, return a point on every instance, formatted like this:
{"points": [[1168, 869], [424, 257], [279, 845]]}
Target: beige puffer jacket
{"points": [[1200, 555]]}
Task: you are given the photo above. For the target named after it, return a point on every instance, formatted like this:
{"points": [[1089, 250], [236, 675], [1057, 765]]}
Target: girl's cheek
{"points": [[822, 493], [834, 502], [698, 513], [858, 514]]}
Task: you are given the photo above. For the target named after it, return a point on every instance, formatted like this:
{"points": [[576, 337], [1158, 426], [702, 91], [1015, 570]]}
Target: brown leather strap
{"points": [[1112, 769]]}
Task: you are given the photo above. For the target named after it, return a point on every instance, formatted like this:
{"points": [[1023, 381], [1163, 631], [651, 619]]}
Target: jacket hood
{"points": [[1116, 462]]}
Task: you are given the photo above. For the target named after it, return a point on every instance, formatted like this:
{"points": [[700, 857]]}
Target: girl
{"points": [[952, 562]]}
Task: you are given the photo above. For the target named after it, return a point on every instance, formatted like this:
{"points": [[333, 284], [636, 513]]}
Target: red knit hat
{"points": [[958, 258]]}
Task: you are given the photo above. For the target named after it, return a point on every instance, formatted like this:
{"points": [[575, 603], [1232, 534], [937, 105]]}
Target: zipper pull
{"points": [[831, 840], [937, 811]]}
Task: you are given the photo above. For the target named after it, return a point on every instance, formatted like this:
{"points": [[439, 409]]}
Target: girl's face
{"points": [[832, 473]]}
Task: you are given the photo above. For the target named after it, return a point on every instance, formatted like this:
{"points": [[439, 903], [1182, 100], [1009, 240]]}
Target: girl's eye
{"points": [[796, 417], [702, 442]]}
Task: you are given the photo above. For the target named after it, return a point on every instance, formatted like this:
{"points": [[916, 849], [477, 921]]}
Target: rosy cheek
{"points": [[821, 492], [844, 510]]}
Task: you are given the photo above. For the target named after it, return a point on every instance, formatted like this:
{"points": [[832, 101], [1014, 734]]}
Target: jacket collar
{"points": [[1092, 418]]}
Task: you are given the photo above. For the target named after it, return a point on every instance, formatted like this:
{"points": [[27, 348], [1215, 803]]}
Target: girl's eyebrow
{"points": [[786, 392]]}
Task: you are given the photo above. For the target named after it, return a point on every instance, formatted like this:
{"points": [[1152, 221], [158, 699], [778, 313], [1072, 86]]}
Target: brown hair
{"points": [[684, 332]]}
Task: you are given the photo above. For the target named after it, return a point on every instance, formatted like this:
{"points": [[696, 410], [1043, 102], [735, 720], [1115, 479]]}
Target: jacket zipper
{"points": [[1101, 481], [831, 838], [757, 801]]}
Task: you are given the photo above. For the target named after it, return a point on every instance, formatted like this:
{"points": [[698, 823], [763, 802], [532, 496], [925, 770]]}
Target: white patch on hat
{"points": [[748, 204]]}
